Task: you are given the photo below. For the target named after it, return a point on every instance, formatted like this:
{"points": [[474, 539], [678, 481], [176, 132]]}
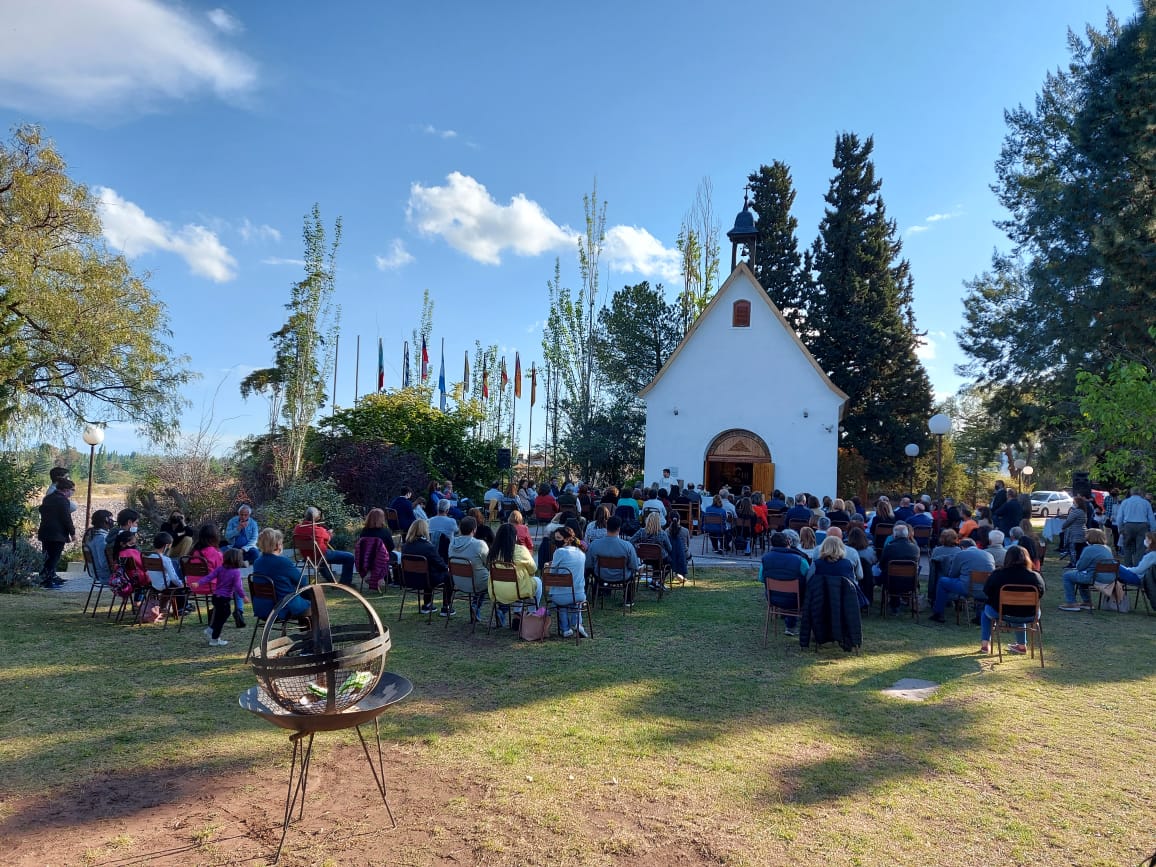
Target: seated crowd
{"points": [[595, 537]]}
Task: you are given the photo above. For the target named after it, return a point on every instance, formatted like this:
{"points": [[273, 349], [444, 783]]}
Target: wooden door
{"points": [[764, 478]]}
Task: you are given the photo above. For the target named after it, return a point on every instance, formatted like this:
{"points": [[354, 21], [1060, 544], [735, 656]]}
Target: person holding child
{"points": [[227, 584]]}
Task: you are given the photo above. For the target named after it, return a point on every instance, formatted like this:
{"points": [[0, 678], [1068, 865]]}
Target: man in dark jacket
{"points": [[899, 547], [404, 508], [56, 529], [999, 497], [1009, 514]]}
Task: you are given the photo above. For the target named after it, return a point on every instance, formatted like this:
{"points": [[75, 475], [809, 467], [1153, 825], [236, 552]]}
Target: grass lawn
{"points": [[671, 738]]}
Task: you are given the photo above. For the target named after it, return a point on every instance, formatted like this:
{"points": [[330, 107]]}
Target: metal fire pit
{"points": [[328, 677]]}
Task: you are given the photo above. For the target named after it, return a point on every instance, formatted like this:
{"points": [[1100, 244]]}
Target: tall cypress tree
{"points": [[778, 265], [860, 325]]}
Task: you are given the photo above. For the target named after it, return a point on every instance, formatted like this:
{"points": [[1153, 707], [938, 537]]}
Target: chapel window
{"points": [[741, 314]]}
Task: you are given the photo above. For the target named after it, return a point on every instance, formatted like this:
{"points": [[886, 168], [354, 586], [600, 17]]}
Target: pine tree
{"points": [[860, 325], [778, 265]]}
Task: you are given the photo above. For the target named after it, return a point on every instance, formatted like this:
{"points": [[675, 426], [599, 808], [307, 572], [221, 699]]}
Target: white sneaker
{"points": [[217, 642], [569, 633], [582, 632]]}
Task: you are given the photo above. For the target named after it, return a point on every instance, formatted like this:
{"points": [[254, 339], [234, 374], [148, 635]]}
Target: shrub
{"points": [[17, 484], [370, 473], [19, 565], [287, 509]]}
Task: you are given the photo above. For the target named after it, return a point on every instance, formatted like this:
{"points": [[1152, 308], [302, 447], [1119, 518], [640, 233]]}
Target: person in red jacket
{"points": [[311, 532]]}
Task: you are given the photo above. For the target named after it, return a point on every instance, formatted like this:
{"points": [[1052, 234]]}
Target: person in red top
{"points": [[310, 532]]}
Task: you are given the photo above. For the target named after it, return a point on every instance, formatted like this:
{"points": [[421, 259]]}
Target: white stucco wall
{"points": [[753, 378]]}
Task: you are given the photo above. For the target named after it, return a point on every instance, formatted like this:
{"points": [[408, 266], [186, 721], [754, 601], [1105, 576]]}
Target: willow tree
{"points": [[82, 337]]}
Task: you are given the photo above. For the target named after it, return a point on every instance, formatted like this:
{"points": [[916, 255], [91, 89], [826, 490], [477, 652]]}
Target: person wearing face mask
{"points": [[56, 530], [126, 519]]}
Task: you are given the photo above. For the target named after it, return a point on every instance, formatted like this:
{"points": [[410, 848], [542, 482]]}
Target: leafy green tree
{"points": [[442, 441], [860, 326], [638, 332], [1119, 415], [18, 482], [1077, 289], [778, 264], [81, 336], [302, 351]]}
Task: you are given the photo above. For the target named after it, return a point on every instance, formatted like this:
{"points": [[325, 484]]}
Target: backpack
{"points": [[120, 583]]}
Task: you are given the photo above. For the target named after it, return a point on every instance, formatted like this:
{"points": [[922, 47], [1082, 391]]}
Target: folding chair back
{"points": [[713, 527], [879, 535], [775, 519], [563, 579], [261, 587], [775, 610], [978, 580], [415, 578], [505, 573], [657, 569], [466, 586], [616, 565], [901, 579], [797, 524], [1020, 596], [392, 521], [98, 584], [922, 536]]}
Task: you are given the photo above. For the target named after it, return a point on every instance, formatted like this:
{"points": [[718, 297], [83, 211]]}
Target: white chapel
{"points": [[742, 401]]}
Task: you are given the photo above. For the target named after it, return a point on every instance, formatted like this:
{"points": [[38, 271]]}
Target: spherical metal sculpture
{"points": [[332, 664]]}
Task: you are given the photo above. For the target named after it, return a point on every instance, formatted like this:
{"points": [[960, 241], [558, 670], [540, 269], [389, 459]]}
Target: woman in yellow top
{"points": [[507, 552]]}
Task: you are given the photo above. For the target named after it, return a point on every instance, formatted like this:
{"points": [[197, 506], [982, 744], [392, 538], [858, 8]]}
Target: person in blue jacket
{"points": [[286, 577]]}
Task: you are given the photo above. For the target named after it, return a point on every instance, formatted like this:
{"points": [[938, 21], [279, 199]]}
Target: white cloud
{"points": [[430, 129], [97, 56], [925, 350], [535, 326], [465, 214], [252, 232], [129, 229], [633, 250], [951, 215], [277, 260], [225, 22], [915, 230], [397, 256]]}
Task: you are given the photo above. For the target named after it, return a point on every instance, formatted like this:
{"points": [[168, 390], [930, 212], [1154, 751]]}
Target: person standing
{"points": [[1134, 518], [56, 529]]}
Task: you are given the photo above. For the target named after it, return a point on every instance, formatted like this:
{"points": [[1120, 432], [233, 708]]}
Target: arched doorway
{"points": [[738, 457]]}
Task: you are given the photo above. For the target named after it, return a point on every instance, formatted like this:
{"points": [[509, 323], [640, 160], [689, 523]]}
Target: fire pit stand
{"points": [[390, 689]]}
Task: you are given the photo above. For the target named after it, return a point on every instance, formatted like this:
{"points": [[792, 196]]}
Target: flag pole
{"points": [[356, 369], [336, 350], [501, 397], [513, 440], [530, 437]]}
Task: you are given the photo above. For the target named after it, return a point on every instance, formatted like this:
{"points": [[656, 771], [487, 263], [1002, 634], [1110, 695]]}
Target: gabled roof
{"points": [[743, 270]]}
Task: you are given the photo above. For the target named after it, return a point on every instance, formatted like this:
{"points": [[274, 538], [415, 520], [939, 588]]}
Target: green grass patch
{"points": [[748, 755]]}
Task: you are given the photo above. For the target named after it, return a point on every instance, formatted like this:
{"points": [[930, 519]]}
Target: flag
{"points": [[517, 375], [533, 383], [442, 378], [424, 360], [380, 366], [405, 366], [505, 379], [466, 376], [485, 383]]}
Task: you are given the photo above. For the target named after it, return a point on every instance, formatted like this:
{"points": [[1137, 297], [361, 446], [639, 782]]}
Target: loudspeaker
{"points": [[503, 459], [1081, 485]]}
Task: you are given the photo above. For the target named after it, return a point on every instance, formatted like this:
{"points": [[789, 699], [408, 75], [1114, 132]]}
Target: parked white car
{"points": [[1051, 504]]}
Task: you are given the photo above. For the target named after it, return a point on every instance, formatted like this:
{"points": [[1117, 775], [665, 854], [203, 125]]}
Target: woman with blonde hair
{"points": [[651, 532], [417, 543], [287, 579], [521, 531]]}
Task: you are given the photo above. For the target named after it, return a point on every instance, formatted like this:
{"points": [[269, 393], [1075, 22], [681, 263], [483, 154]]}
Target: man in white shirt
{"points": [[1134, 518]]}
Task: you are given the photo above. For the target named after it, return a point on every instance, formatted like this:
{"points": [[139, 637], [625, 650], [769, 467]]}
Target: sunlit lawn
{"points": [[750, 756]]}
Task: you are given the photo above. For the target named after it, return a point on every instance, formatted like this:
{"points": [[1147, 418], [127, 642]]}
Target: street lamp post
{"points": [[1019, 465], [912, 451], [939, 424], [93, 436], [1026, 473]]}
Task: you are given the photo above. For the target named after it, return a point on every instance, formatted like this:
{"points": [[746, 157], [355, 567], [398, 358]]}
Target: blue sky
{"points": [[457, 140]]}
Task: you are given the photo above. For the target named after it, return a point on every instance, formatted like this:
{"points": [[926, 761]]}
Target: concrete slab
{"points": [[912, 689]]}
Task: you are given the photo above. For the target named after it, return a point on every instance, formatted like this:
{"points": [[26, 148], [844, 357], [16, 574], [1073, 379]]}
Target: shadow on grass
{"points": [[681, 673]]}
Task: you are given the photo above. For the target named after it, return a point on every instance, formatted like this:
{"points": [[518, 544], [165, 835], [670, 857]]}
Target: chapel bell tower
{"points": [[744, 234]]}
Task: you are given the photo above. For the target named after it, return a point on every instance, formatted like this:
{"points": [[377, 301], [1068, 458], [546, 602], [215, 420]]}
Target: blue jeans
{"points": [[990, 616], [568, 619], [1127, 576], [1074, 580], [345, 560], [948, 589]]}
